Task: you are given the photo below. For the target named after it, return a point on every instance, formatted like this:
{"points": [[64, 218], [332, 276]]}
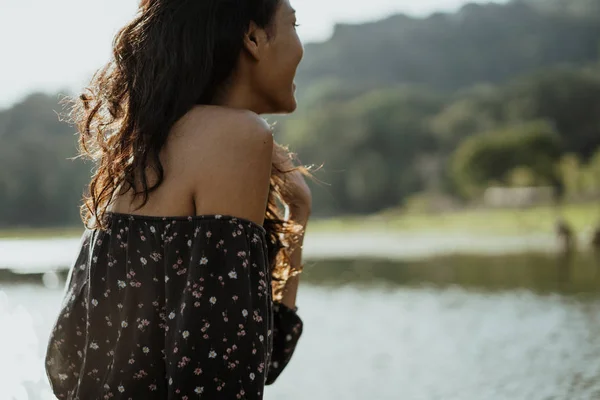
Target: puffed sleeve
{"points": [[287, 329]]}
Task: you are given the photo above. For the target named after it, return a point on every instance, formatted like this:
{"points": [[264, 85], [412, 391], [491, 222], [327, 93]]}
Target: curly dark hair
{"points": [[174, 55]]}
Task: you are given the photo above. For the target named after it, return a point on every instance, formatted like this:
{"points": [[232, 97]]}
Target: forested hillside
{"points": [[482, 43]]}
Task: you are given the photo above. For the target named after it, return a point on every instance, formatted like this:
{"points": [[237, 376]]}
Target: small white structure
{"points": [[518, 196]]}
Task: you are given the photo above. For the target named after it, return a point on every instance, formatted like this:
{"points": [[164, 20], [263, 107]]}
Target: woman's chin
{"points": [[292, 103], [286, 107], [292, 106]]}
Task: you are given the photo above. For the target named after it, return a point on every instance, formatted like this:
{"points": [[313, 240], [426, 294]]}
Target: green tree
{"points": [[493, 157], [370, 147], [39, 184]]}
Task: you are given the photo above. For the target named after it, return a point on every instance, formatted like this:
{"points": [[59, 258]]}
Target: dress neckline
{"points": [[183, 218]]}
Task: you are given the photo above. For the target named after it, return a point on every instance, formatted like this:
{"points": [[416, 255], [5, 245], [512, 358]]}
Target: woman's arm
{"points": [[287, 324], [290, 290], [298, 199]]}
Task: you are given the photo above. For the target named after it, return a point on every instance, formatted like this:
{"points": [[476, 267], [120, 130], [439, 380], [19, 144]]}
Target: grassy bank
{"points": [[582, 217], [40, 233]]}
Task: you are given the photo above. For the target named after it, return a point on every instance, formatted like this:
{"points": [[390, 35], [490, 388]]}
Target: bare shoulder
{"points": [[227, 156], [221, 126]]}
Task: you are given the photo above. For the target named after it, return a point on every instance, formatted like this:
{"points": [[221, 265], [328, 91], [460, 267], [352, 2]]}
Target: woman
{"points": [[179, 292]]}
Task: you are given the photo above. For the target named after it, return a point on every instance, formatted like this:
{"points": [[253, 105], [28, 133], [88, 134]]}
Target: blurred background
{"points": [[454, 251]]}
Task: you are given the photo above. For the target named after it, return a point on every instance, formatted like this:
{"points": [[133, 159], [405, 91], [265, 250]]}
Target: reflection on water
{"points": [[541, 273], [515, 327]]}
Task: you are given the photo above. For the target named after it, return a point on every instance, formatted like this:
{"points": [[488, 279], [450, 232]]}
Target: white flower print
{"points": [[191, 297]]}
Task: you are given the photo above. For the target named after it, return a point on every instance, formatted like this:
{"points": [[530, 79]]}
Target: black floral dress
{"points": [[170, 308]]}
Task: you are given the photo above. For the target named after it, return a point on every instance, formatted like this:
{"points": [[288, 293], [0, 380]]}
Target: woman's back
{"points": [[213, 156]]}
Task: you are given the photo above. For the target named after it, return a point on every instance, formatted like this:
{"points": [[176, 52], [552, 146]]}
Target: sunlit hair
{"points": [[174, 55]]}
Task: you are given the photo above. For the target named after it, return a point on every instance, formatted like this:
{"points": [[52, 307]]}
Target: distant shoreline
{"points": [[539, 220]]}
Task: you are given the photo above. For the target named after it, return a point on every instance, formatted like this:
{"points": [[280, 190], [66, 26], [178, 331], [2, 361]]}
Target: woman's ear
{"points": [[255, 41]]}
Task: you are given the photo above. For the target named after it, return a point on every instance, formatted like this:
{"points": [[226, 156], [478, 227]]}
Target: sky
{"points": [[56, 45]]}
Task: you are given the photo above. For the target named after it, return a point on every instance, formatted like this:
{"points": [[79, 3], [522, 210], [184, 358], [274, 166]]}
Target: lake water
{"points": [[457, 327]]}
